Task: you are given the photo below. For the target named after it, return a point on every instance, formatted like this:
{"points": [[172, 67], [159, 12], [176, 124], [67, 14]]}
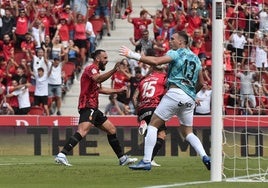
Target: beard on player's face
{"points": [[102, 65]]}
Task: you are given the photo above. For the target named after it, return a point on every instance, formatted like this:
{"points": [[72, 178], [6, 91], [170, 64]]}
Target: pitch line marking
{"points": [[13, 164], [179, 184]]}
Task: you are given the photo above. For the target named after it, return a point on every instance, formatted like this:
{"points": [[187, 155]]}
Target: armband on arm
{"points": [[124, 51]]}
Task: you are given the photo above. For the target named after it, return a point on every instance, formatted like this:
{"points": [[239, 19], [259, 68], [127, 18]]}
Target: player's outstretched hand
{"points": [[125, 51]]}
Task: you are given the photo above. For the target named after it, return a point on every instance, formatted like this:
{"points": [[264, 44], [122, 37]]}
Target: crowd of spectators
{"points": [[245, 48], [39, 39], [174, 15], [246, 57]]}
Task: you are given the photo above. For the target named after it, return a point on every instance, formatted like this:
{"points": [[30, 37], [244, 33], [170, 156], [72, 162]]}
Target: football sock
{"points": [[150, 141], [196, 144], [158, 145], [114, 143], [71, 143]]}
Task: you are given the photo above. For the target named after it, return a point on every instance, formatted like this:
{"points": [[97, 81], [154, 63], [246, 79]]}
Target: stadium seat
{"points": [[97, 26], [231, 111], [18, 56], [36, 110], [69, 70]]}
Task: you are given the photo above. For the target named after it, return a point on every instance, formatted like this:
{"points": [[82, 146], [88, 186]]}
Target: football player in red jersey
{"points": [[146, 98], [90, 115]]}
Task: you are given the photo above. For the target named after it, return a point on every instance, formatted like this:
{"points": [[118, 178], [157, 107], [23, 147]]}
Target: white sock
{"points": [[196, 144], [150, 141]]}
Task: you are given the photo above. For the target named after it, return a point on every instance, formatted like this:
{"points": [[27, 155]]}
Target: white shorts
{"points": [[176, 102]]}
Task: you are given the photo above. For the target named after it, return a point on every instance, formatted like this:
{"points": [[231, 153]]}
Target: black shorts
{"points": [[94, 116], [81, 43], [38, 100], [146, 114]]}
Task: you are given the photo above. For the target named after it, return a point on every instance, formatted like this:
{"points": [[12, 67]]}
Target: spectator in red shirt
{"points": [[199, 38], [229, 19], [13, 101], [28, 46], [181, 17], [67, 13], [80, 35], [161, 46], [46, 20], [2, 85], [21, 26], [239, 15], [139, 24], [120, 79], [7, 46], [92, 4], [194, 21], [63, 31], [11, 70], [158, 22], [3, 70]]}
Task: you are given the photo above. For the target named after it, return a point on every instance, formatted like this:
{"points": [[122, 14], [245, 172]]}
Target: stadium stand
{"points": [[36, 110]]}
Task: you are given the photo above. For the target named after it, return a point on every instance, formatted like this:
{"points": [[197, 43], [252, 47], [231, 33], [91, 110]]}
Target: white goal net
{"points": [[245, 90]]}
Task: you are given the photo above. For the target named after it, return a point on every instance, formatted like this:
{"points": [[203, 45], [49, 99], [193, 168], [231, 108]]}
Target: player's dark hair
{"points": [[184, 35], [96, 53]]}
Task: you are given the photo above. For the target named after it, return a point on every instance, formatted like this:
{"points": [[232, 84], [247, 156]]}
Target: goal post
{"points": [[239, 121], [217, 85]]}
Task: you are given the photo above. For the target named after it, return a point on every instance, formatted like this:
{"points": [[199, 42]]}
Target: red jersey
{"points": [[159, 23], [13, 101], [22, 25], [194, 22], [46, 22], [92, 4], [228, 19], [3, 91], [89, 94], [200, 39], [80, 31], [151, 90], [159, 53], [119, 80], [64, 32], [140, 25], [28, 46], [70, 23], [183, 21], [7, 49]]}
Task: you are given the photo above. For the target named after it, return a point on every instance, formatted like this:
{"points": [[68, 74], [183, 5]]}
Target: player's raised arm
{"points": [[150, 60]]}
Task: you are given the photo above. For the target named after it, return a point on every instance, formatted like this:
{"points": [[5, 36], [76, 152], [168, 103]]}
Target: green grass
{"points": [[102, 172]]}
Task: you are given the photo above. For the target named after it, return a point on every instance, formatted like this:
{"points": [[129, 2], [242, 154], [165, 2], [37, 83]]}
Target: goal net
{"points": [[245, 91]]}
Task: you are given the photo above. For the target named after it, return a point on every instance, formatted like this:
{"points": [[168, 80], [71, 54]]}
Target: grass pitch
{"points": [[104, 172]]}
